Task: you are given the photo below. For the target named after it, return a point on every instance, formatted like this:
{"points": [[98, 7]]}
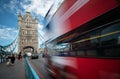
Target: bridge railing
{"points": [[30, 72]]}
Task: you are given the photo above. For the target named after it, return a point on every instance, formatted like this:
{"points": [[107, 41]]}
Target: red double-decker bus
{"points": [[86, 42]]}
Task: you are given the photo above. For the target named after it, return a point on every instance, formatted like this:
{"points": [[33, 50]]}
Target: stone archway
{"points": [[29, 49]]}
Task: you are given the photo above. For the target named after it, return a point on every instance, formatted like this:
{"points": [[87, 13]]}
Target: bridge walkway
{"points": [[16, 71]]}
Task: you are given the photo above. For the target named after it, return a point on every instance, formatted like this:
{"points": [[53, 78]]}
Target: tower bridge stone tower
{"points": [[28, 36]]}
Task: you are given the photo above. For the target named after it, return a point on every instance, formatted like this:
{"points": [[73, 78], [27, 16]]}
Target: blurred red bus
{"points": [[87, 43]]}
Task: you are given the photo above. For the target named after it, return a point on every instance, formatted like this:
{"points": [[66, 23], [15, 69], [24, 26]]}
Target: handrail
{"points": [[30, 72]]}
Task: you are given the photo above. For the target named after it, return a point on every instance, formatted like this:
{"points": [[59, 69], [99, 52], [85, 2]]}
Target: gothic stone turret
{"points": [[28, 36]]}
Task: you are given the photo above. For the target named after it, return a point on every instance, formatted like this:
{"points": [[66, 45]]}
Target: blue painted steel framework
{"points": [[9, 49]]}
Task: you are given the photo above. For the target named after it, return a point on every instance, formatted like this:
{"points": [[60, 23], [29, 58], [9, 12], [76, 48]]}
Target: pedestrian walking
{"points": [[8, 60], [19, 57], [12, 59]]}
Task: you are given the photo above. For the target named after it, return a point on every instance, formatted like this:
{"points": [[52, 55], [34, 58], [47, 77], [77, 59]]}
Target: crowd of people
{"points": [[11, 59]]}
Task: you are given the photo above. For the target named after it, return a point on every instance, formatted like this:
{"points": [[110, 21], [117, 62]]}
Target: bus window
{"points": [[102, 42], [94, 41], [72, 53], [111, 35], [91, 53], [81, 53], [111, 40]]}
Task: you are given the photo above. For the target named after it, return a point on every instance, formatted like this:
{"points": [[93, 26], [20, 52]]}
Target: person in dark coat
{"points": [[12, 59]]}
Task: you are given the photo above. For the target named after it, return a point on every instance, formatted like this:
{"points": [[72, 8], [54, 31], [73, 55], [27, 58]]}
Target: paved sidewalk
{"points": [[16, 71]]}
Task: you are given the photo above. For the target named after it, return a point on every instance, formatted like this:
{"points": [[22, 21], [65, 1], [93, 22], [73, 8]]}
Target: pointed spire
{"points": [[36, 19], [19, 15], [28, 12]]}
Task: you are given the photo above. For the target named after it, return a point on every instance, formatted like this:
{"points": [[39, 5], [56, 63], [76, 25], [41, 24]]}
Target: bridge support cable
{"points": [[41, 37], [9, 49], [43, 45]]}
